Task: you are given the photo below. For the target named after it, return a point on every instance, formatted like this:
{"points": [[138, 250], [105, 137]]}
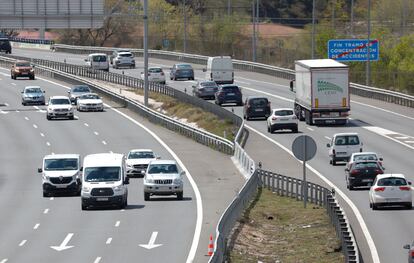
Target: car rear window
{"points": [[260, 102], [125, 55], [208, 84], [347, 140], [230, 89], [81, 89], [366, 165], [155, 70], [184, 66], [391, 181], [98, 58], [283, 112], [365, 157]]}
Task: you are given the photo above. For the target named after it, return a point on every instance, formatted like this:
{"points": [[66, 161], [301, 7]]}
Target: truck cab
{"points": [[104, 181]]}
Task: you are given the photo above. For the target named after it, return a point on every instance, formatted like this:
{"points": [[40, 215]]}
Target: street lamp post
{"points": [[313, 29], [146, 53], [368, 69]]}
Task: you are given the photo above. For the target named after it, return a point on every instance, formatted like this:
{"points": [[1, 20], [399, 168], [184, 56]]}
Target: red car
{"points": [[22, 69]]}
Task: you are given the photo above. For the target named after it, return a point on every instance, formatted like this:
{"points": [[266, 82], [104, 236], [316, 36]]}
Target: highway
{"points": [[384, 128], [31, 225]]}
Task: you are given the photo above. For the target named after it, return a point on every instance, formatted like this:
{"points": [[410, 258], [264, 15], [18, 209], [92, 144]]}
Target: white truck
{"points": [[322, 91]]}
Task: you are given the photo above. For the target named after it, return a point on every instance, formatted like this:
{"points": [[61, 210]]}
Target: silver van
{"points": [[97, 61]]}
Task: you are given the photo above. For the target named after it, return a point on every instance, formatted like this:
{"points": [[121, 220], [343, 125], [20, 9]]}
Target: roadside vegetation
{"points": [[279, 229], [191, 114]]}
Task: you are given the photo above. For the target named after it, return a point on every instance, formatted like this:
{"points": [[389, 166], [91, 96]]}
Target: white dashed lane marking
{"points": [[104, 142], [36, 226], [327, 137], [97, 260], [117, 223], [14, 84], [109, 240], [48, 143], [96, 133], [26, 118], [22, 243], [4, 260], [309, 128], [52, 198], [87, 125], [46, 211], [41, 134], [35, 126]]}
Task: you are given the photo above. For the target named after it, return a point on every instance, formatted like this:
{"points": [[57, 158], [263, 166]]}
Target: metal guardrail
{"points": [[246, 163], [357, 89], [31, 41], [198, 135], [290, 187]]}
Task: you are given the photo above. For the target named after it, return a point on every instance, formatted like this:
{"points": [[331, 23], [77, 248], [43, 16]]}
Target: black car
{"points": [[229, 94], [5, 45], [362, 173], [182, 71], [256, 107], [205, 89]]}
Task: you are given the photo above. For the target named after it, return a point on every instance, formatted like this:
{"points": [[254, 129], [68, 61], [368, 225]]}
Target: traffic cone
{"points": [[210, 246]]}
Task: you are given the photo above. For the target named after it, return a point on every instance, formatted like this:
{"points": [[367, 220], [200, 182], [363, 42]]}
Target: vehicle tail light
{"points": [[274, 118], [162, 73], [412, 253], [211, 76], [379, 189], [294, 117], [316, 114], [405, 188], [379, 171], [354, 172]]}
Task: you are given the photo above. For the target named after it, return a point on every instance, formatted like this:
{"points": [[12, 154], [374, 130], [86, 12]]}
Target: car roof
{"points": [[21, 61], [97, 54], [178, 64], [277, 109], [364, 153], [103, 159], [141, 150], [256, 97], [62, 156], [155, 67], [58, 97], [228, 85], [163, 162], [380, 176], [124, 52], [345, 133], [31, 87]]}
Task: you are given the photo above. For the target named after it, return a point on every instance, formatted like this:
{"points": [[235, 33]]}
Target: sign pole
{"points": [[305, 184]]}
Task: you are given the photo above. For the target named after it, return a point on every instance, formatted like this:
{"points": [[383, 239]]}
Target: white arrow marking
{"points": [[151, 242], [64, 243]]}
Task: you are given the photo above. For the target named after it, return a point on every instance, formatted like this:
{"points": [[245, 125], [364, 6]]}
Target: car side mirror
{"points": [[126, 180], [39, 170], [21, 92], [44, 91], [182, 173], [381, 159], [406, 246], [81, 169], [328, 145], [291, 84], [68, 91], [204, 70]]}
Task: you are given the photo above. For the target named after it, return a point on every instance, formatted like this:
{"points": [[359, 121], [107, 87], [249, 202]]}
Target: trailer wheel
{"points": [[299, 112], [308, 117]]}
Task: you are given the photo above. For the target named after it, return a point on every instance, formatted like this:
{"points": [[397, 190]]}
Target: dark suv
{"points": [[229, 94], [5, 45], [362, 174], [256, 107]]}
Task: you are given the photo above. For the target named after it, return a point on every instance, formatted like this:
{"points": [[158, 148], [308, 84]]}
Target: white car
{"points": [[123, 59], [155, 74], [137, 161], [390, 190], [342, 146], [281, 119], [163, 178], [89, 102], [364, 156], [59, 107]]}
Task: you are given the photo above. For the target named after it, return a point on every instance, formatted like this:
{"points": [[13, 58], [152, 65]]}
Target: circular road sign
{"points": [[304, 147]]}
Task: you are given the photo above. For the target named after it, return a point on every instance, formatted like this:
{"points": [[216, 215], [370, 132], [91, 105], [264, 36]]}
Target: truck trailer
{"points": [[322, 91]]}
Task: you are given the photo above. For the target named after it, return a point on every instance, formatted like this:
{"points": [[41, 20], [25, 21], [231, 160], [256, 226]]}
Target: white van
{"points": [[97, 61], [104, 180], [220, 70], [343, 145]]}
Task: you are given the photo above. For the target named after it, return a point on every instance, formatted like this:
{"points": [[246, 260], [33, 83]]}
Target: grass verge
{"points": [[192, 114], [280, 229]]}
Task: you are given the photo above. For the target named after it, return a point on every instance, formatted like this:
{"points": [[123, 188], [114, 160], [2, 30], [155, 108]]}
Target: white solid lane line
{"points": [[108, 241], [97, 260], [104, 142], [309, 128], [327, 137], [409, 141], [36, 226], [377, 108], [402, 137], [117, 223], [22, 243], [354, 208], [46, 211]]}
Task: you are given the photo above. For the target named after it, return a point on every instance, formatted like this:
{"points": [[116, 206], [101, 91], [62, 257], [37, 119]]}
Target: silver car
{"points": [[205, 89], [76, 91], [33, 95]]}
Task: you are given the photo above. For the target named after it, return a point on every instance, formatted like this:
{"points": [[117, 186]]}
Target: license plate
{"points": [[102, 199], [330, 121], [230, 94], [61, 186], [284, 119], [259, 109], [367, 180]]}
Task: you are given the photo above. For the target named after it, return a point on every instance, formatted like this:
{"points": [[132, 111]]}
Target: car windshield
{"points": [[184, 66], [125, 55], [392, 181], [61, 164], [23, 64], [102, 174], [365, 157], [141, 155], [98, 58], [59, 101], [89, 97], [4, 42], [162, 168], [366, 165], [208, 84], [347, 140], [283, 112], [259, 102], [81, 89], [33, 90], [155, 70]]}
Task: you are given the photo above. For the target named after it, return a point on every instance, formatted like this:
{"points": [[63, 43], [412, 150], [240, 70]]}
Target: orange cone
{"points": [[210, 246]]}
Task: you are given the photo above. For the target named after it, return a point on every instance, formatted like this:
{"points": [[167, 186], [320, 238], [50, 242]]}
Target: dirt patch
{"points": [[279, 229]]}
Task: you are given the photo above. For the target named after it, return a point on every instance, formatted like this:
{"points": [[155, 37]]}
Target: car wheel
{"points": [[171, 78], [271, 129], [23, 103], [374, 206], [295, 130], [45, 194], [84, 207], [175, 78], [333, 161], [408, 206], [180, 196], [32, 78], [48, 117], [351, 187], [370, 205], [268, 128], [72, 117], [146, 196]]}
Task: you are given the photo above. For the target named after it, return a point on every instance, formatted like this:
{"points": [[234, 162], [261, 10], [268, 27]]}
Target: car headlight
{"points": [[86, 189], [177, 181], [130, 165], [149, 181], [49, 109], [45, 177], [118, 188]]}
